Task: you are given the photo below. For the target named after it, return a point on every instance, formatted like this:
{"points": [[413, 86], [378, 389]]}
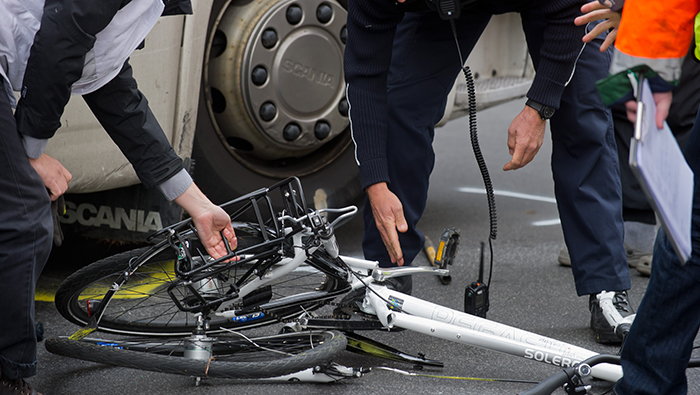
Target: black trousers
{"points": [[424, 66], [26, 234]]}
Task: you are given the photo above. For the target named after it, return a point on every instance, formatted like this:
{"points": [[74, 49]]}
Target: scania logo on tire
{"points": [[308, 72]]}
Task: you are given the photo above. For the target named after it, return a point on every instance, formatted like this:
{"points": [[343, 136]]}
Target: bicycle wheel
{"points": [[142, 305], [232, 356]]}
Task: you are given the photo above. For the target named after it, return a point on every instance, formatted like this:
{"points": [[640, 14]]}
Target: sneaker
{"points": [[644, 265], [634, 256], [603, 331], [16, 387]]}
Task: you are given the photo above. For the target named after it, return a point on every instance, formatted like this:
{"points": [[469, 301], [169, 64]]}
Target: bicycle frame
{"points": [[396, 309], [392, 308]]}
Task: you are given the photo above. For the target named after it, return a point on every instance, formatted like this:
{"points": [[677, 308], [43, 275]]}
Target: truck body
{"points": [[249, 92]]}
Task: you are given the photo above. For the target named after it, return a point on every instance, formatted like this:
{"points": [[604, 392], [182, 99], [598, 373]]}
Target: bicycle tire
{"points": [[237, 358], [142, 305]]}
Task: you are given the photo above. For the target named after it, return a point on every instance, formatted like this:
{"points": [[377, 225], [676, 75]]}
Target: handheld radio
{"points": [[476, 294]]}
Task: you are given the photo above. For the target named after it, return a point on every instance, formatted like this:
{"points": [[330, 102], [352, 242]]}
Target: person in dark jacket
{"points": [[56, 66], [400, 66]]}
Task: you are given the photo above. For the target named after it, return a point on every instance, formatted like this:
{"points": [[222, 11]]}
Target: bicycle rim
{"points": [[232, 355], [142, 305]]}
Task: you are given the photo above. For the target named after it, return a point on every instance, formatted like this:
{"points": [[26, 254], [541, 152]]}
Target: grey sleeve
{"points": [[34, 147], [176, 185]]}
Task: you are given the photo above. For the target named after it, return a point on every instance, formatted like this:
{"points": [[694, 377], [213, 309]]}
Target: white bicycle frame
{"points": [[396, 309]]}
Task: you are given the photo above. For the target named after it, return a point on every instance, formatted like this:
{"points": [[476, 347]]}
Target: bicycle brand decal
{"points": [[395, 303], [546, 357], [248, 317]]}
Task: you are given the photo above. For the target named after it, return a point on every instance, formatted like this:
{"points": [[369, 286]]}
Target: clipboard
{"points": [[658, 164]]}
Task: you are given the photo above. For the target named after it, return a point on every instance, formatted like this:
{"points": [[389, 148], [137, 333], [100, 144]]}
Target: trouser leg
{"points": [[660, 342], [26, 233], [635, 206], [586, 173], [124, 113], [424, 65]]}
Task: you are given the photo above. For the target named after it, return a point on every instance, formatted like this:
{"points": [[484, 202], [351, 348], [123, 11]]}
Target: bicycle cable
{"points": [[437, 376]]}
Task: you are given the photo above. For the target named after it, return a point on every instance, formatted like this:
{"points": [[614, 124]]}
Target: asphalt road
{"points": [[529, 289]]}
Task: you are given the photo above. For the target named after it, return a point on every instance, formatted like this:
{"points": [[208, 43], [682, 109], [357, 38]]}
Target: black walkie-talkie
{"points": [[448, 9], [476, 294]]}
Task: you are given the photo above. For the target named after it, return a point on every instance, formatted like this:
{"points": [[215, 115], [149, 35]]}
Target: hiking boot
{"points": [[564, 258], [634, 256], [644, 265], [604, 333], [16, 387]]}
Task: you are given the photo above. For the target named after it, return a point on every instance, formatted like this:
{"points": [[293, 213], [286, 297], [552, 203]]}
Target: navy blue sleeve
{"points": [[371, 28]]}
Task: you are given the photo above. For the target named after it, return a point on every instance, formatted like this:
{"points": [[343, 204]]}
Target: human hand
{"points": [[663, 104], [525, 137], [388, 215], [594, 11], [55, 177], [210, 220]]}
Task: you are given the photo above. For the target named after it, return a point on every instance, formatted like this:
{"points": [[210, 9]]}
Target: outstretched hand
{"points": [[55, 177], [595, 11], [389, 217], [525, 137], [210, 221]]}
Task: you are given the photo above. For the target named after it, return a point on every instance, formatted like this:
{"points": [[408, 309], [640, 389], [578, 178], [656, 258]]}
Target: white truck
{"points": [[249, 92]]}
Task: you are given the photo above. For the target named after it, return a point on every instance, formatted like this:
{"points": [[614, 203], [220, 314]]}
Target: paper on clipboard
{"points": [[667, 180]]}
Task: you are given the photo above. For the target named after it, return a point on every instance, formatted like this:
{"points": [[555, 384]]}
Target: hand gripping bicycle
{"points": [[286, 263]]}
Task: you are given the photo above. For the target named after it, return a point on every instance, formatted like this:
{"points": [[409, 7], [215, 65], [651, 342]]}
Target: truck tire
{"points": [[272, 102]]}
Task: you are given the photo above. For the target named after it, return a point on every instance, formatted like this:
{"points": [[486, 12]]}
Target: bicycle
{"points": [[199, 305]]}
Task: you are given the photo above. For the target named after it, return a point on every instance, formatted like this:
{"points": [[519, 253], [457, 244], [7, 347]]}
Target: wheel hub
{"points": [[275, 76]]}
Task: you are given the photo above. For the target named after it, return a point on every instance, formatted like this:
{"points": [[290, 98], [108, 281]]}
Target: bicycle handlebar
{"points": [[570, 375]]}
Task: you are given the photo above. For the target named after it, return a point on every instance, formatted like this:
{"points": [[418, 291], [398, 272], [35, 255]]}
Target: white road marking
{"points": [[482, 191]]}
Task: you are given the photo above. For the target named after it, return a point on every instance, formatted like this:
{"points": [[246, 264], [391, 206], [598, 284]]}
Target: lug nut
{"points": [[322, 130], [268, 111], [294, 14], [324, 13], [291, 132], [269, 38], [259, 75], [343, 107], [344, 34]]}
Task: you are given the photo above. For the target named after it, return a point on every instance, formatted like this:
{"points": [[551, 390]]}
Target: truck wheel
{"points": [[273, 102]]}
